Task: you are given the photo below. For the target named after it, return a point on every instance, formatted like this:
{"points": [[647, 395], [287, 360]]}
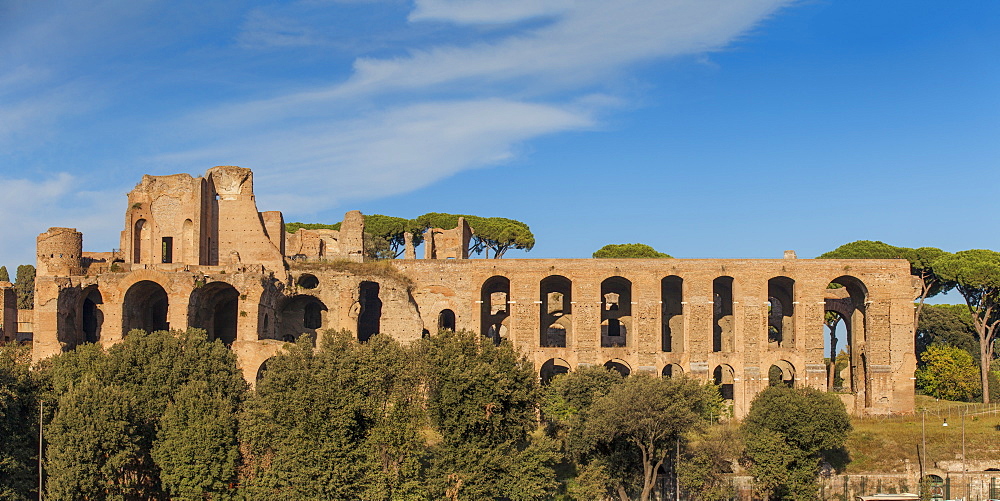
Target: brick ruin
{"points": [[196, 252]]}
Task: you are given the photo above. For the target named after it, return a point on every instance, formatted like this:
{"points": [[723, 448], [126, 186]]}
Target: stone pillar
{"points": [[352, 236], [408, 251]]}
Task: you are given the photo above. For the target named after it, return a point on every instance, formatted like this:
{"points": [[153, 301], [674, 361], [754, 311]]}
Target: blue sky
{"points": [[706, 128]]}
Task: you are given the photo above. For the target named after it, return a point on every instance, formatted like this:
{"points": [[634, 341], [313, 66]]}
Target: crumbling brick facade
{"points": [[197, 253]]}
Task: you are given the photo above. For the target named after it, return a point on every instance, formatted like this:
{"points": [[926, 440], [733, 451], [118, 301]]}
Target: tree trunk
{"points": [[984, 368]]}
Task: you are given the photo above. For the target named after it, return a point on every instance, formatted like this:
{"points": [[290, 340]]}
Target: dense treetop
{"points": [[618, 251]]}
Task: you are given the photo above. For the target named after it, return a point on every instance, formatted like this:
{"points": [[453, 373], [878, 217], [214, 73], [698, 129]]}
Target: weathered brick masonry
{"points": [[196, 252]]}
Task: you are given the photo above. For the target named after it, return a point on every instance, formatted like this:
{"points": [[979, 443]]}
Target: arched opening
{"points": [[616, 311], [265, 327], [140, 241], [672, 311], [370, 316], [145, 307], [91, 315], [722, 328], [301, 314], [782, 373], [262, 370], [724, 378], [781, 313], [551, 368], [446, 320], [618, 366], [845, 301], [555, 311], [312, 315], [307, 281], [671, 370], [495, 309], [215, 308]]}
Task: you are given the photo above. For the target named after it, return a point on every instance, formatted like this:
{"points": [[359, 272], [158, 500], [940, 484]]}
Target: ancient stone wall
{"points": [[883, 381], [448, 244], [743, 324], [8, 312]]}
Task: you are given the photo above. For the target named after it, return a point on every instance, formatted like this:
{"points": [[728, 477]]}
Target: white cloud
{"points": [[486, 11], [503, 92], [310, 167]]}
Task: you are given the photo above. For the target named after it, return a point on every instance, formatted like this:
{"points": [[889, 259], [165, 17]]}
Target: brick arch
{"points": [[136, 276], [494, 310]]}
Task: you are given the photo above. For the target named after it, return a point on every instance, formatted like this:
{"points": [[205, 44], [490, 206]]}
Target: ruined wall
{"points": [[323, 244], [242, 237], [743, 324], [167, 221], [448, 244], [8, 312], [885, 376]]}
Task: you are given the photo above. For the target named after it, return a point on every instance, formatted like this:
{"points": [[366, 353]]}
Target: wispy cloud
{"points": [[500, 93], [405, 148]]}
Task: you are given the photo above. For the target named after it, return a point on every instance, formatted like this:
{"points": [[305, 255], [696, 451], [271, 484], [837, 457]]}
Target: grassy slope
{"points": [[883, 444]]}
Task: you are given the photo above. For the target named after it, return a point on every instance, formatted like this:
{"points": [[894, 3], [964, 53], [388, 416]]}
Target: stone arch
{"points": [[781, 373], [672, 370], [551, 368], [555, 311], [215, 308], [140, 241], [616, 311], [781, 313], [262, 369], [189, 255], [723, 338], [725, 378], [618, 365], [370, 316], [145, 307], [672, 313], [91, 315], [301, 314], [848, 297], [495, 307], [446, 320]]}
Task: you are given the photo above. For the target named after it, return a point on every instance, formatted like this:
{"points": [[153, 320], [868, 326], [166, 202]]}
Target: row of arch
{"points": [[556, 310], [780, 373], [214, 307]]}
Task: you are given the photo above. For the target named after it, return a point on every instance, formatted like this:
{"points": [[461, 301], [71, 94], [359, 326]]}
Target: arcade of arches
{"points": [[196, 252]]}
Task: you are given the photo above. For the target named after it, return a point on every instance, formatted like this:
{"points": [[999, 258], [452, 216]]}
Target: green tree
{"points": [[567, 402], [195, 447], [494, 234], [338, 423], [25, 287], [947, 324], [109, 410], [4, 276], [921, 265], [708, 457], [976, 274], [948, 373], [19, 392], [482, 401], [617, 251], [649, 414], [788, 431]]}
